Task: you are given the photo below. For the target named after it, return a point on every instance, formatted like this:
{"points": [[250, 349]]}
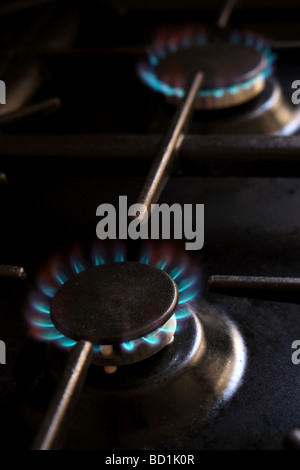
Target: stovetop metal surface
{"points": [[251, 228], [265, 406]]}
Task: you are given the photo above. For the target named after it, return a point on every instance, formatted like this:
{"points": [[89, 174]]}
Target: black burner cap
{"points": [[223, 65], [115, 302]]}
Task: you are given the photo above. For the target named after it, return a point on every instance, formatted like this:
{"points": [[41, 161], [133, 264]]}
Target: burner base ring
{"points": [[152, 402]]}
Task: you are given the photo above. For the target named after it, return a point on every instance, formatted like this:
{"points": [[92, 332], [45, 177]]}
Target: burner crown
{"points": [[115, 302]]}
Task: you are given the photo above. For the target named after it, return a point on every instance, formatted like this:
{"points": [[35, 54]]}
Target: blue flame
{"points": [[166, 329], [201, 40], [188, 285], [186, 277], [145, 258], [49, 291], [61, 277], [155, 338], [153, 60], [174, 273], [152, 338], [119, 257], [65, 342], [38, 314], [185, 283], [187, 296], [77, 264], [162, 263], [97, 256], [41, 306], [51, 334], [147, 70], [99, 260], [129, 346], [44, 322], [182, 313]]}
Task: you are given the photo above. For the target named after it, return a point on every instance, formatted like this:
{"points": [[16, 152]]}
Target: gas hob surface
{"points": [[86, 133]]}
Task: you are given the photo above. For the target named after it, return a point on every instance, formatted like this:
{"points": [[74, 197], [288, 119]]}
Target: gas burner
{"points": [[234, 68], [117, 305], [183, 357], [114, 303], [128, 310]]}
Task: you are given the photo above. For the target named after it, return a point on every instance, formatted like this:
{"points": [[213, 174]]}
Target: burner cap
{"points": [[115, 302], [223, 65]]}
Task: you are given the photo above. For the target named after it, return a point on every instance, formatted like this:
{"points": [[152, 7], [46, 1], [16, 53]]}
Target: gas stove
{"points": [[142, 344]]}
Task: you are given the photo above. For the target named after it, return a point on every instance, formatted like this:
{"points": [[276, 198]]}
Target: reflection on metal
{"points": [[269, 114], [221, 346], [235, 367], [292, 439], [24, 79], [14, 272], [3, 178], [67, 393], [164, 162], [199, 346]]}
